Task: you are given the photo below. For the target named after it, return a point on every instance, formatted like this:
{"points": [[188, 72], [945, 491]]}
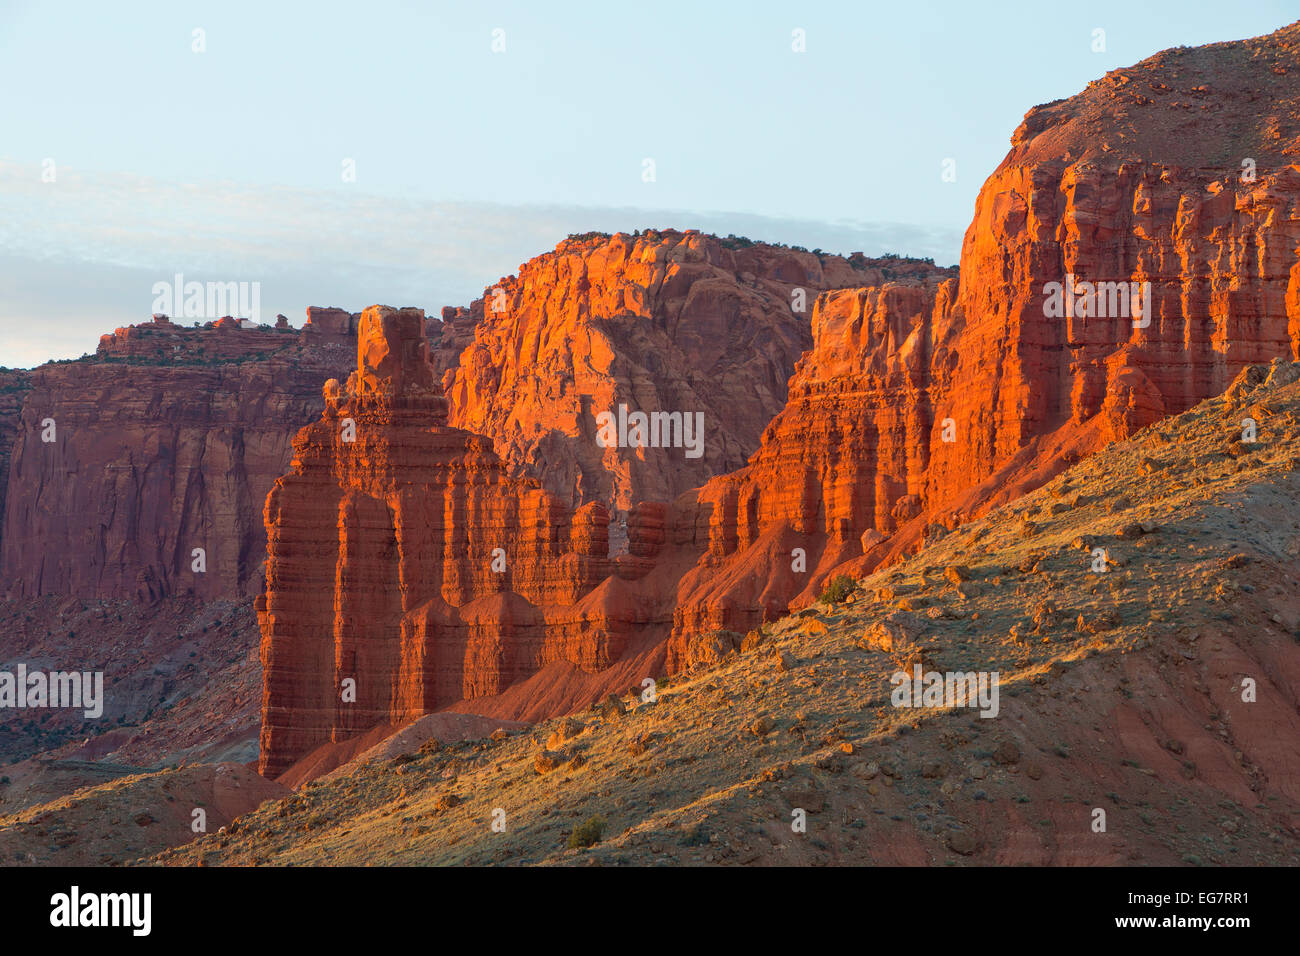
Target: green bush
{"points": [[587, 834], [838, 588], [696, 836]]}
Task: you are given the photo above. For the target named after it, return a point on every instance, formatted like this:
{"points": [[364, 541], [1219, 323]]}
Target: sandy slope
{"points": [[134, 816]]}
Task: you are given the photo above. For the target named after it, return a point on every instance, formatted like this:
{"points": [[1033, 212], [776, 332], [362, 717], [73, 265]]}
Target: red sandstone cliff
{"points": [[1140, 178], [405, 558], [14, 385], [166, 440], [660, 322]]}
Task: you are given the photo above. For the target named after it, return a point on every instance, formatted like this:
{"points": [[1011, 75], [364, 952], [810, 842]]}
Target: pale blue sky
{"points": [[227, 163]]}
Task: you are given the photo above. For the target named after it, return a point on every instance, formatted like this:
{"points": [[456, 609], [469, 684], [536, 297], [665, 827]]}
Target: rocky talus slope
{"points": [[181, 682], [925, 402], [137, 814], [1140, 611]]}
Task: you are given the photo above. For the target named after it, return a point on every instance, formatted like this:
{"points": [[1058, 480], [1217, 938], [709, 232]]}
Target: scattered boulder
{"points": [[897, 631], [711, 648], [762, 726], [1007, 753], [963, 842], [544, 761]]}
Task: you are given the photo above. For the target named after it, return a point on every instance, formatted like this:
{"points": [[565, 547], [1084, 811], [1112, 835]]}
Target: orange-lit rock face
{"points": [[850, 447], [407, 561], [669, 322], [1154, 195], [404, 520], [1178, 172]]}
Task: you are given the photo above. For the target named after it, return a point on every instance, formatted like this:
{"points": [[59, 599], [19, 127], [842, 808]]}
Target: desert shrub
{"points": [[695, 836], [587, 834], [734, 241], [838, 588]]}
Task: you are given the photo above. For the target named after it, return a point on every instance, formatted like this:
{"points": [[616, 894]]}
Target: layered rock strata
{"points": [[918, 408], [409, 569], [659, 322], [122, 466]]}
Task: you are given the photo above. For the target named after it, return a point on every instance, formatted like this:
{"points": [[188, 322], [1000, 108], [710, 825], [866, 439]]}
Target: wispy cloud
{"points": [[79, 256]]}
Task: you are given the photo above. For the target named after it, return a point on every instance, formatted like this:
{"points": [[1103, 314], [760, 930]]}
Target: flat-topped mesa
{"points": [[164, 340], [404, 563]]}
